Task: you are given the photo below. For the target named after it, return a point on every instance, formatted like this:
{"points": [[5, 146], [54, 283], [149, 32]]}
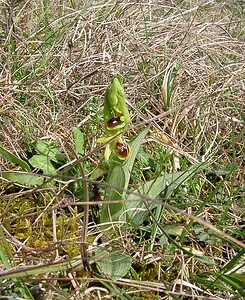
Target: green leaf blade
{"points": [[14, 159], [49, 149], [115, 178], [79, 141], [43, 163], [22, 178], [113, 264], [119, 176]]}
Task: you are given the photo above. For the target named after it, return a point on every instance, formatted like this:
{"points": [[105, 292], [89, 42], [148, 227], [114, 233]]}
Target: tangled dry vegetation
{"points": [[56, 62]]}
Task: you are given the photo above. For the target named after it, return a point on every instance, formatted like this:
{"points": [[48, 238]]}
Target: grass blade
{"points": [[14, 159]]}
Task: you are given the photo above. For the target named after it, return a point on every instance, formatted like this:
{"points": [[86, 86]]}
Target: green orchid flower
{"points": [[116, 119], [117, 147]]}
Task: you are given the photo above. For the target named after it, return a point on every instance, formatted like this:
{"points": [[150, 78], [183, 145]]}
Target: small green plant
{"points": [[124, 205], [44, 164], [167, 89]]}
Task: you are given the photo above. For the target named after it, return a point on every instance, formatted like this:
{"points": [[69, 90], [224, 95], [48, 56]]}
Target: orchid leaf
{"points": [[114, 264], [118, 180], [22, 178]]}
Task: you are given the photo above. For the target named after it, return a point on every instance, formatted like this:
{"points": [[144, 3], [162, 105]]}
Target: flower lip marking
{"points": [[122, 149], [113, 122]]}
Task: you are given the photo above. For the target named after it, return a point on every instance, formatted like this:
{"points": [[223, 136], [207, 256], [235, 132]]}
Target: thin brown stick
{"points": [[83, 248]]}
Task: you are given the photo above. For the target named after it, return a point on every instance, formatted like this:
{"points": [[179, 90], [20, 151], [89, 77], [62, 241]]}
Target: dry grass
{"points": [[56, 61]]}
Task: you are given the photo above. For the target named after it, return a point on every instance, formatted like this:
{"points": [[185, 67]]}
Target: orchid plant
{"points": [[116, 119]]}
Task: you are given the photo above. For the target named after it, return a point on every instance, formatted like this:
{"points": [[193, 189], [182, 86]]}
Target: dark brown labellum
{"points": [[113, 122], [122, 149]]}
